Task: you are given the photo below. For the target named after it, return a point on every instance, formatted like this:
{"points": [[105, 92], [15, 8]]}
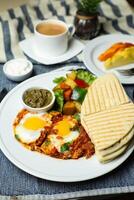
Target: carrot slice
{"points": [[64, 86]]}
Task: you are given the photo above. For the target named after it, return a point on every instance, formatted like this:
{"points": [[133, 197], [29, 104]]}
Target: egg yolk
{"points": [[63, 128], [34, 123]]}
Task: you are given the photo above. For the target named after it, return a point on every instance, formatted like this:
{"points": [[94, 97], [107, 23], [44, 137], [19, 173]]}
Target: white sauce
{"points": [[17, 67]]}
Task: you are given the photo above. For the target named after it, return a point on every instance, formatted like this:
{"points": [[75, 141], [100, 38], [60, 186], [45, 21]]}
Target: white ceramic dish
{"points": [[98, 45], [75, 47], [52, 44], [41, 165], [42, 109], [20, 77]]}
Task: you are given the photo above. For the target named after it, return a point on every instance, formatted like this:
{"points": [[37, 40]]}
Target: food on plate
{"points": [[118, 55], [54, 134], [84, 108], [105, 92], [69, 108], [70, 91], [114, 151], [107, 115], [28, 127], [110, 128], [37, 97], [57, 133]]}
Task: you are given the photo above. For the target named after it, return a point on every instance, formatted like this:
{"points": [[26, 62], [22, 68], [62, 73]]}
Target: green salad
{"points": [[70, 91]]}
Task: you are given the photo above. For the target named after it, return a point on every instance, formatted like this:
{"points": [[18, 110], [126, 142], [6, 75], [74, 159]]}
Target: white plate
{"points": [[27, 46], [41, 165], [98, 45]]}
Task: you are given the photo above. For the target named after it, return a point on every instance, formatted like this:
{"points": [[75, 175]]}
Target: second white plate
{"points": [[98, 45]]}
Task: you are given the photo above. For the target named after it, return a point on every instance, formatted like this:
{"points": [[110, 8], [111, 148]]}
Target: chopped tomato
{"points": [[67, 94], [81, 83]]}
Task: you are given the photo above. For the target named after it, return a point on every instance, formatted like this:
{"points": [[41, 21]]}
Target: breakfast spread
{"points": [[119, 54], [57, 133], [84, 108], [107, 115], [89, 116]]}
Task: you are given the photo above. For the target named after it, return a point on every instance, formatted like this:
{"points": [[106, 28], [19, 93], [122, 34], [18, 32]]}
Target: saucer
{"points": [[75, 47]]}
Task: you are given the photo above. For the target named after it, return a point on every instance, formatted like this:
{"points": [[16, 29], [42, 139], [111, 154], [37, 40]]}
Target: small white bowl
{"points": [[20, 77], [42, 109]]}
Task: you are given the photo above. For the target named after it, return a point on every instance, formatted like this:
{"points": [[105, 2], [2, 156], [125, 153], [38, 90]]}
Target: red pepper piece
{"points": [[81, 83]]}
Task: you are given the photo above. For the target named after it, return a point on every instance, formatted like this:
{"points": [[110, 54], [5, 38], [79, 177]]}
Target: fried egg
{"points": [[65, 134], [30, 126]]}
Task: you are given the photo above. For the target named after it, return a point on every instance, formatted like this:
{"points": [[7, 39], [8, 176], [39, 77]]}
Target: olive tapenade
{"points": [[37, 98]]}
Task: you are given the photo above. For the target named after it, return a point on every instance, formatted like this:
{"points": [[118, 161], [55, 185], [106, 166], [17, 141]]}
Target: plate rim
{"points": [[35, 173]]}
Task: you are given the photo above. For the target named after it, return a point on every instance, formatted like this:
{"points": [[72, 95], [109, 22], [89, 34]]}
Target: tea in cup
{"points": [[52, 37]]}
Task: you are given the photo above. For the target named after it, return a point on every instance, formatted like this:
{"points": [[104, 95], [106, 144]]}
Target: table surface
{"points": [[13, 181]]}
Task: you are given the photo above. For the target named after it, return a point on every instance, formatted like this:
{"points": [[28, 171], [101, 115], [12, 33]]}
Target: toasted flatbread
{"points": [[118, 145], [108, 127], [105, 92], [104, 159], [107, 114]]}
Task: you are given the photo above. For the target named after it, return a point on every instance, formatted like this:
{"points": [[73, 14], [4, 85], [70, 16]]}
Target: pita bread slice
{"points": [[108, 127], [105, 92], [104, 159], [118, 145]]}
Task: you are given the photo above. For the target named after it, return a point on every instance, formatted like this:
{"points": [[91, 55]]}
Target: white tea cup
{"points": [[52, 37]]}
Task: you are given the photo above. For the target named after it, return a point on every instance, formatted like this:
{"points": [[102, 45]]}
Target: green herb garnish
{"points": [[47, 142], [65, 147]]}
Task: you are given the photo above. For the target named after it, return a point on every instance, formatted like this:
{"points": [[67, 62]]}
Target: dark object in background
{"points": [[86, 20], [86, 27], [3, 93], [131, 2]]}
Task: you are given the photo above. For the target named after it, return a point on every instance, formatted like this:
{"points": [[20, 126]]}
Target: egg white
{"points": [[58, 142], [26, 135]]}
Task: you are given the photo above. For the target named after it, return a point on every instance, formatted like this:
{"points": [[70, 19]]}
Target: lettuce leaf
{"points": [[85, 75]]}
